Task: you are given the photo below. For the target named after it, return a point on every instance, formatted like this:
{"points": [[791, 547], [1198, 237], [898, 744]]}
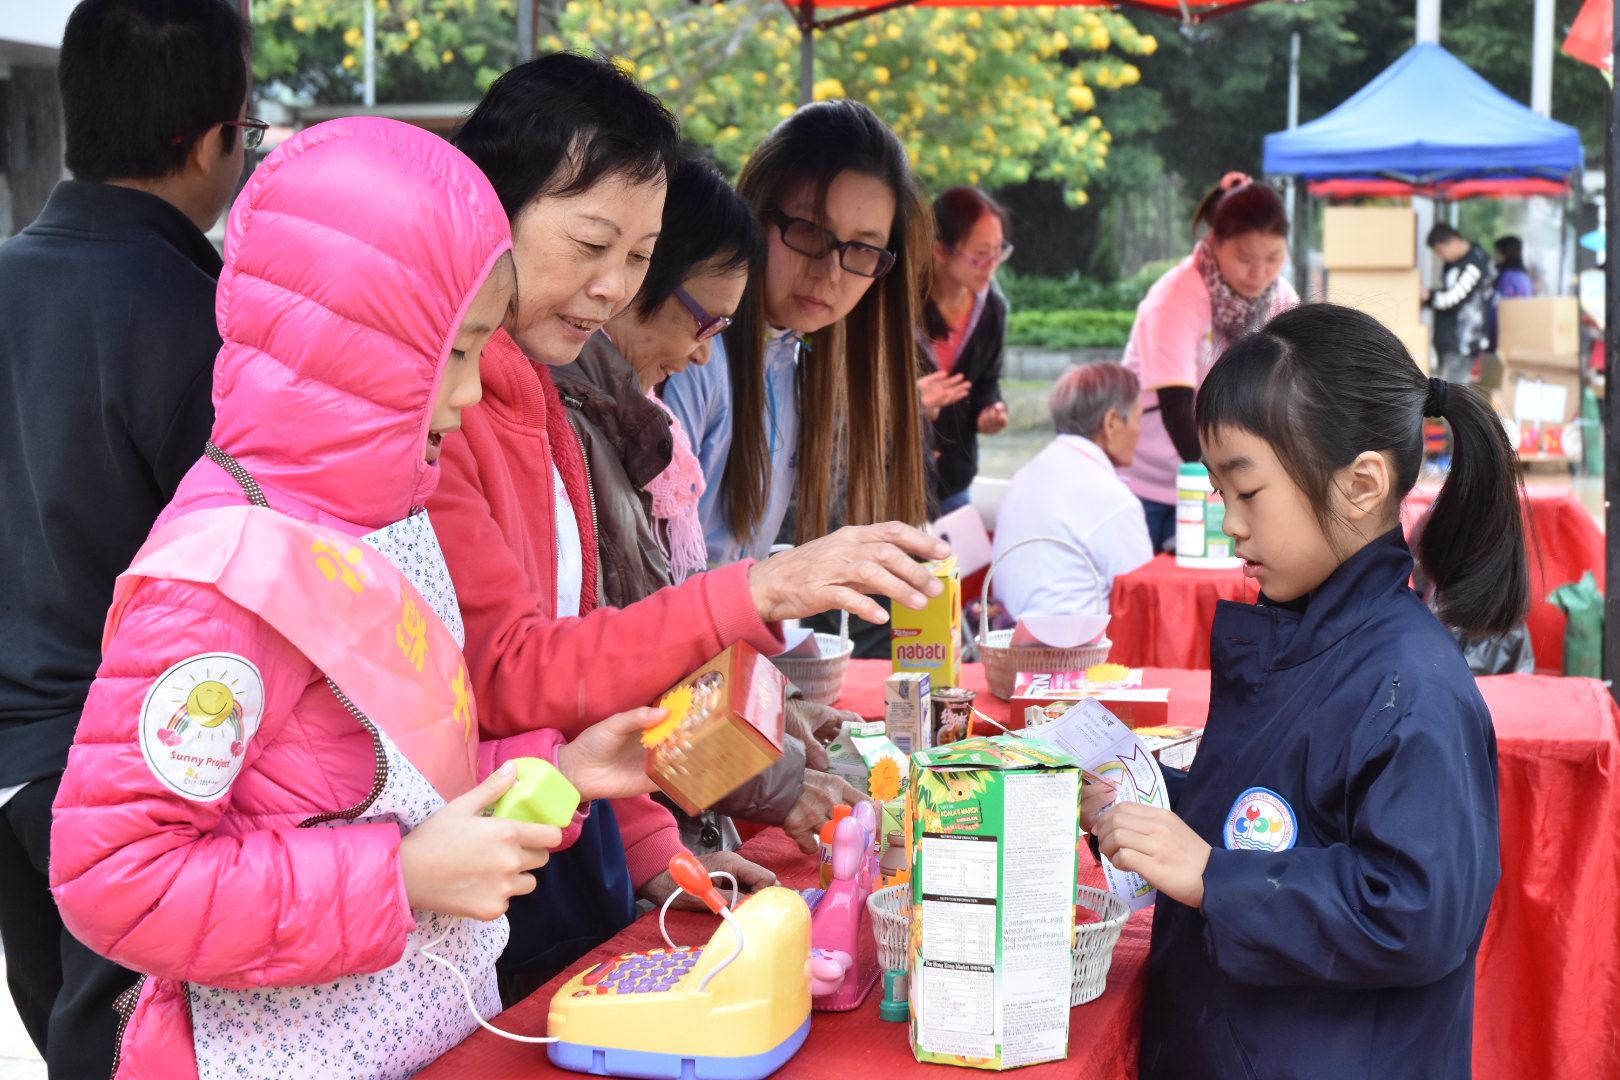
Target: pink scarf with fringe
{"points": [[675, 493]]}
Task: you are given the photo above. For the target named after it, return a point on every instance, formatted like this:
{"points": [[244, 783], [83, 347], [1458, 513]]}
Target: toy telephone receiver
{"points": [[736, 1008]]}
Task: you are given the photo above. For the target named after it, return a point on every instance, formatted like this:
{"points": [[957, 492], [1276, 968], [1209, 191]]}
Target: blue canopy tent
{"points": [[1427, 118]]}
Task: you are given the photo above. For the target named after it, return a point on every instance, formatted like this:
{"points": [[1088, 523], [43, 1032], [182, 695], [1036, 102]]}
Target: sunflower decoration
{"points": [[1107, 673], [884, 782], [679, 703]]}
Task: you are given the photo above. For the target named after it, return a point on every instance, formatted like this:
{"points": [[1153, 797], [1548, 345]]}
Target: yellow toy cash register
{"points": [[734, 1009]]}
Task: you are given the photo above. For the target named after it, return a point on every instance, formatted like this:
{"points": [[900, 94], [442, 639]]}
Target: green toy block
{"points": [[541, 795]]}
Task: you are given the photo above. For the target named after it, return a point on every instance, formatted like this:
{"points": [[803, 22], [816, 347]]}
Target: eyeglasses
{"points": [[995, 258], [252, 132], [708, 325], [808, 238]]}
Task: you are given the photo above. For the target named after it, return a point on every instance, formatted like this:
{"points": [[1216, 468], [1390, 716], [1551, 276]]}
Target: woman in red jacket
{"points": [[578, 154]]}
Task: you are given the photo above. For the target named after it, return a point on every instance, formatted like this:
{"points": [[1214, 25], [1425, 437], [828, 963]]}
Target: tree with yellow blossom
{"points": [[993, 96]]}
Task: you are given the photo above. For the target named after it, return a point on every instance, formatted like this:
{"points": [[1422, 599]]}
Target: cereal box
{"points": [[990, 967], [724, 728], [931, 639], [906, 709]]}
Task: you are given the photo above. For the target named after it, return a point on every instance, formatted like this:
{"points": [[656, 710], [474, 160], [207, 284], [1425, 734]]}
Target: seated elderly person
{"points": [[1070, 492]]}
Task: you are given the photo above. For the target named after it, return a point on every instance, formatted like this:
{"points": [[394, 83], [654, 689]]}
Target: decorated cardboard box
{"points": [[724, 728], [993, 824], [931, 639]]}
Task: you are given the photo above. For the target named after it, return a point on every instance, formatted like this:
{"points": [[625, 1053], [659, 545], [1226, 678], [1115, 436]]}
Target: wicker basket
{"points": [[1094, 943], [890, 909], [1003, 660], [821, 678]]}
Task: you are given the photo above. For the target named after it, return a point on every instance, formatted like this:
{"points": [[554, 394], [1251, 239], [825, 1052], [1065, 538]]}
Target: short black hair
{"points": [[706, 224], [1441, 233], [143, 80], [560, 106], [1511, 248]]}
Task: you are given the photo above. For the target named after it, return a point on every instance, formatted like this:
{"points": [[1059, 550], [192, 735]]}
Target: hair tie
{"points": [[1435, 403], [1234, 180]]}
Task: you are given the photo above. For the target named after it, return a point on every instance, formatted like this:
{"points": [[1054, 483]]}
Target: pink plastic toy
{"points": [[838, 928]]}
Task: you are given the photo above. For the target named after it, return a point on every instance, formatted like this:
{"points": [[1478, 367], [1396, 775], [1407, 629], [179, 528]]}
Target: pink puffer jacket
{"points": [[352, 257]]}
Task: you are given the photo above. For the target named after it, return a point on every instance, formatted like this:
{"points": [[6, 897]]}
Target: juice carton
{"points": [[905, 709], [931, 639], [888, 769], [725, 727], [844, 760], [993, 826]]}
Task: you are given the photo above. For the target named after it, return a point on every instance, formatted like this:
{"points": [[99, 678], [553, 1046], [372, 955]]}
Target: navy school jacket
{"points": [[1351, 761]]}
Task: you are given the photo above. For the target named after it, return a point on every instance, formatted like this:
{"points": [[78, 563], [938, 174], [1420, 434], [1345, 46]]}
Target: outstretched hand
{"points": [[840, 569], [607, 760]]}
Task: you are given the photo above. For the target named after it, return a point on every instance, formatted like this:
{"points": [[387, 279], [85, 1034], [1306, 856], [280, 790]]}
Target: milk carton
{"points": [[931, 639], [993, 824], [906, 709]]}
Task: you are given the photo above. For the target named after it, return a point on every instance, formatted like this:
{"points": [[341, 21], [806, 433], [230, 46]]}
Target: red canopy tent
{"points": [[804, 16]]}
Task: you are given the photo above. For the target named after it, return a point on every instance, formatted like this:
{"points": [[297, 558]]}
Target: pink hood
{"points": [[345, 281]]}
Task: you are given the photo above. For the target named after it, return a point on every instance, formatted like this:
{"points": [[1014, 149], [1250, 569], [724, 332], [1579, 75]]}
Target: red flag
{"points": [[1591, 39]]}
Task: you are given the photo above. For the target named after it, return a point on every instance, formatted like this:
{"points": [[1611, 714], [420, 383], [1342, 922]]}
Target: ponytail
{"points": [[1323, 384], [1473, 548], [1237, 205]]}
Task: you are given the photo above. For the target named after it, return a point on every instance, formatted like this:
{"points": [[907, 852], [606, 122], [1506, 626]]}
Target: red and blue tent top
{"points": [[1192, 11]]}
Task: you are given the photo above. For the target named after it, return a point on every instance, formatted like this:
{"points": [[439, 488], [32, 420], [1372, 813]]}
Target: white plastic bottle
{"points": [[1192, 507]]}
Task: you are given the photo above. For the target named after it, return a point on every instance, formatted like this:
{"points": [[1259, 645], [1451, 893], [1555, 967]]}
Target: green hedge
{"points": [[1075, 292], [1084, 328]]}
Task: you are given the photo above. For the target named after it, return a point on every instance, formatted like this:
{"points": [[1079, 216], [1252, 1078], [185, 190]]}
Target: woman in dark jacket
{"points": [[646, 482], [965, 336]]}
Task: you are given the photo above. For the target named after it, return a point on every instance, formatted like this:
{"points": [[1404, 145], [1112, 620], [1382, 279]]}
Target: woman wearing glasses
{"points": [[965, 322], [647, 481], [813, 391]]}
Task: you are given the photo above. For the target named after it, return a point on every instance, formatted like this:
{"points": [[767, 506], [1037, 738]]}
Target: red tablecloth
{"points": [[1162, 612], [1548, 977]]}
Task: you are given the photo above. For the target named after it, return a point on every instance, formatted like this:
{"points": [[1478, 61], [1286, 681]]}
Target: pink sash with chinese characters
{"points": [[342, 605]]}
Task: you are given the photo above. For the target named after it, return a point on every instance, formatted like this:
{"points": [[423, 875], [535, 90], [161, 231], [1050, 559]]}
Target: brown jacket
{"points": [[627, 444]]}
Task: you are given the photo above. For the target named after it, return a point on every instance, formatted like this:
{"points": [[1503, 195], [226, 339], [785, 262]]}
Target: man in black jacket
{"points": [[107, 343], [1461, 303]]}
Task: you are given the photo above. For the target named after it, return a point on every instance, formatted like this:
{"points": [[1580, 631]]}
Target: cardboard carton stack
{"points": [[1539, 340], [1371, 258]]}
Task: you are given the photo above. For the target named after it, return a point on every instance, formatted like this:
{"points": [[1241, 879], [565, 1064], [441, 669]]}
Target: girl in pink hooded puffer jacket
{"points": [[273, 805]]}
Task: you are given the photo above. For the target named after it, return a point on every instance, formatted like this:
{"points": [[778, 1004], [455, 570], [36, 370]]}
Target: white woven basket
{"points": [[1094, 943], [1003, 660], [890, 909], [821, 678]]}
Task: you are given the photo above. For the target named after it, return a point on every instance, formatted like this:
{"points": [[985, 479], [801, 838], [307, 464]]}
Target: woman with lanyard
{"points": [[846, 232], [965, 321], [1229, 286]]}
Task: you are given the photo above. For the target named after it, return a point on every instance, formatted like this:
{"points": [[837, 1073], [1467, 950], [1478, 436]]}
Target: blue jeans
{"points": [[1161, 524]]}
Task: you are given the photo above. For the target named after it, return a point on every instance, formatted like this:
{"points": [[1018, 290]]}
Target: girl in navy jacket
{"points": [[1328, 869]]}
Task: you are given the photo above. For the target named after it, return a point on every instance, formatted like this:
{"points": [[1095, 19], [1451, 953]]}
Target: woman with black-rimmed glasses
{"points": [[812, 391]]}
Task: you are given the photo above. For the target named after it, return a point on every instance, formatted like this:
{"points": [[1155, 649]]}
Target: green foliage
{"points": [[1035, 293], [1070, 328], [427, 50]]}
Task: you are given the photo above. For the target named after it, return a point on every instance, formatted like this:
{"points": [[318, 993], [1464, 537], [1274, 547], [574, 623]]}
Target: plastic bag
{"points": [[1582, 603]]}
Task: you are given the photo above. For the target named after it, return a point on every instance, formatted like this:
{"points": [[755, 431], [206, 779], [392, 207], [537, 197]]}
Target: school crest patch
{"points": [[1260, 820], [197, 720]]}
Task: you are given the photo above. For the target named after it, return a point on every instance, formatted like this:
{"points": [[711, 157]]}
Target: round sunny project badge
{"points": [[197, 720], [1260, 820]]}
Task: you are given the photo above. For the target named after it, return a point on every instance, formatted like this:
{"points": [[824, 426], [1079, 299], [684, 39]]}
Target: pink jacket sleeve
{"points": [[141, 875]]}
